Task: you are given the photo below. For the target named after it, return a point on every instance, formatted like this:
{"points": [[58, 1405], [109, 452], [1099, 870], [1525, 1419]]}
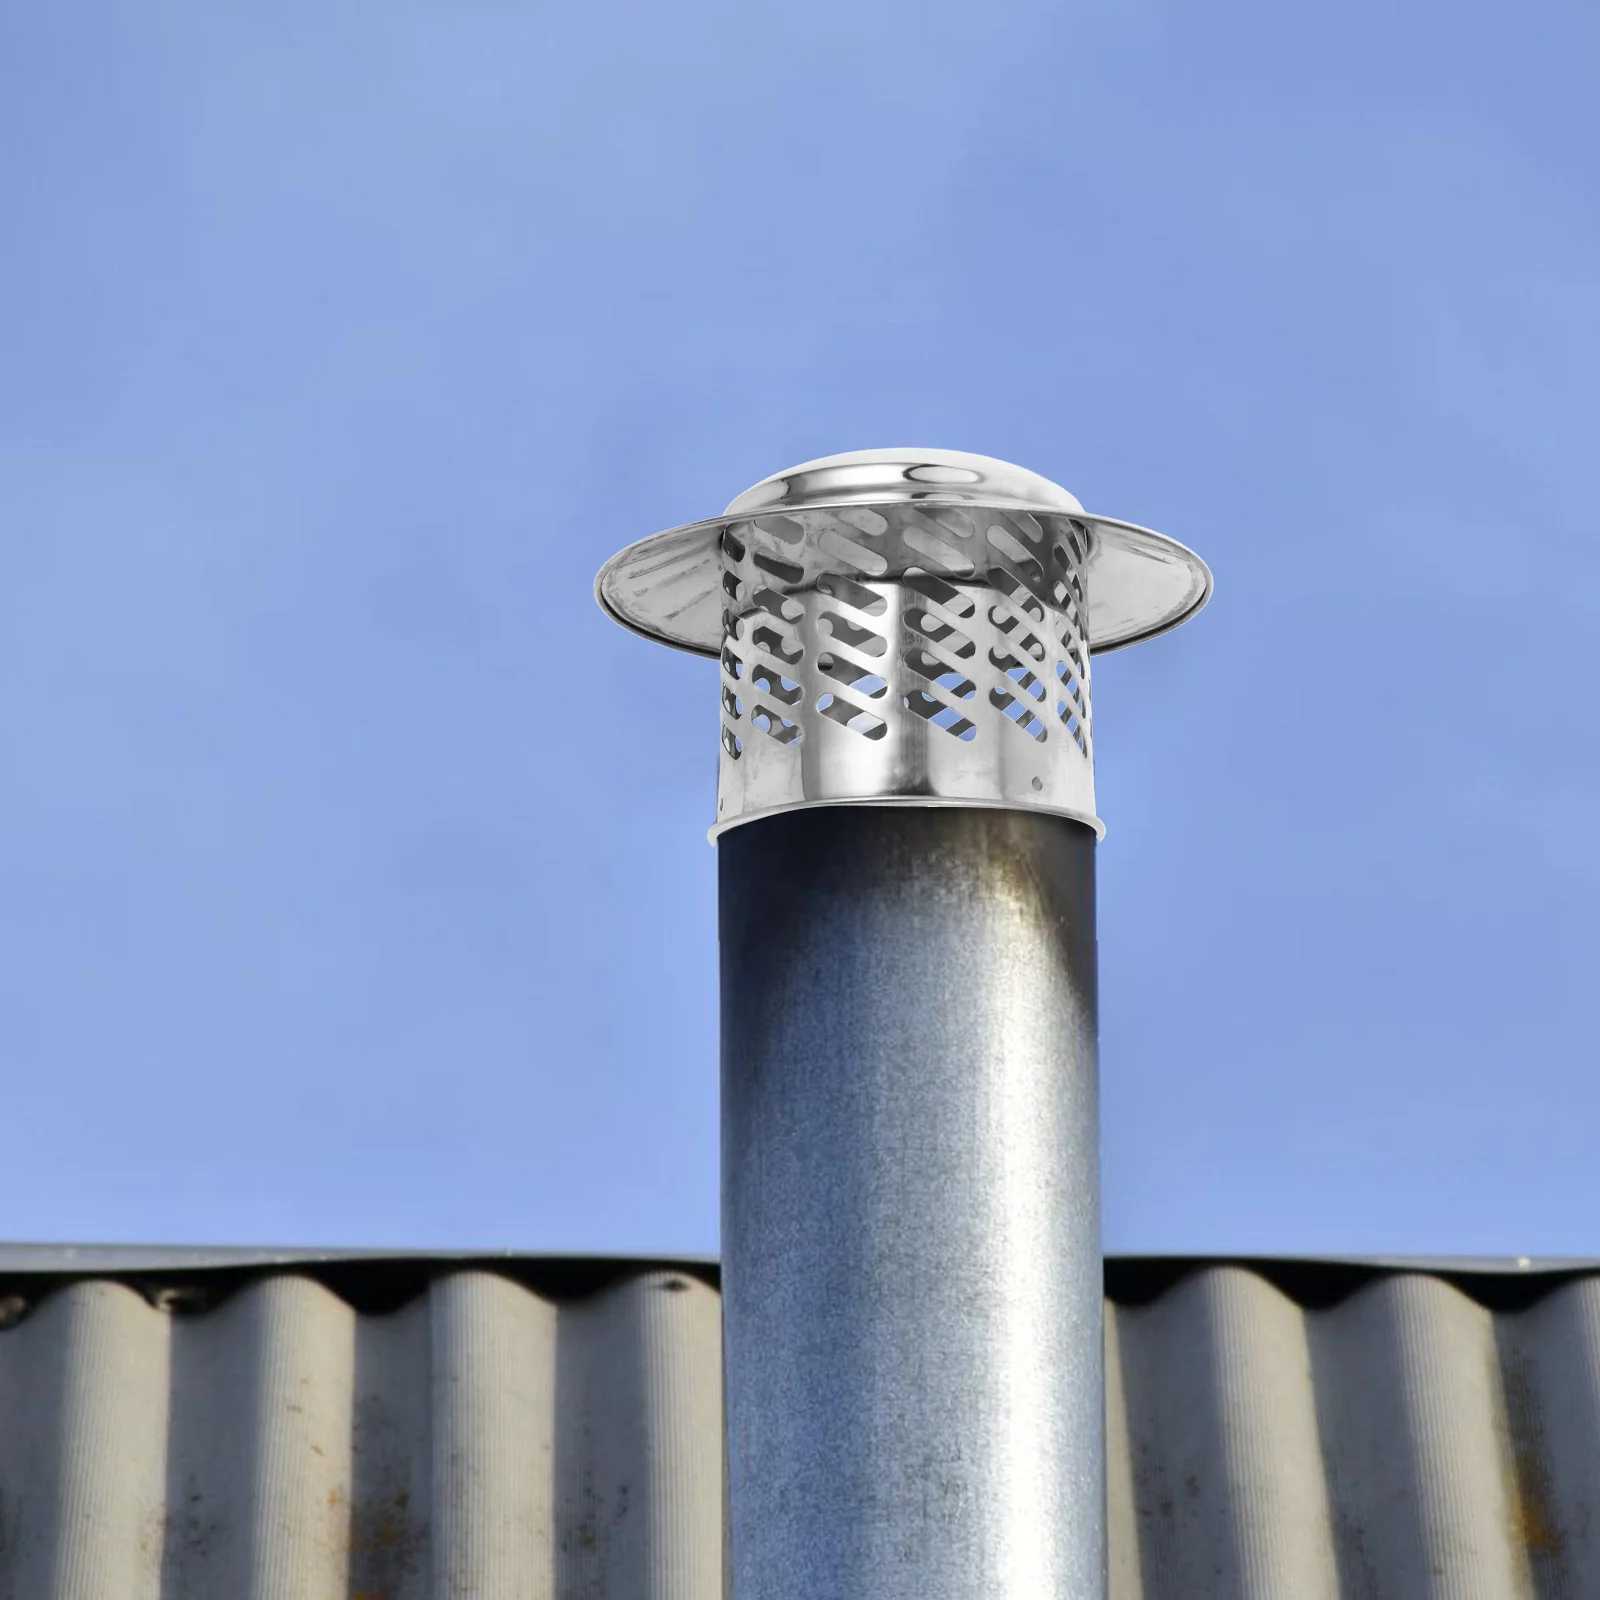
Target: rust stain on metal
{"points": [[1534, 1520]]}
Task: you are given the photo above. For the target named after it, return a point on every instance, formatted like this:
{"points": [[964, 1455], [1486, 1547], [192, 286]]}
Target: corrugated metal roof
{"points": [[257, 1426]]}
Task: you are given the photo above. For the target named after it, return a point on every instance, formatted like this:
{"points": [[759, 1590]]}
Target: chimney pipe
{"points": [[910, 1190]]}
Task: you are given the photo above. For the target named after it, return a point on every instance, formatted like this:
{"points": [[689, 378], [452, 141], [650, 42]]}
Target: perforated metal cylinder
{"points": [[937, 653], [910, 1229]]}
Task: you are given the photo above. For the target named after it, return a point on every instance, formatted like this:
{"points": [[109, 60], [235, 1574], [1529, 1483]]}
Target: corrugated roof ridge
{"points": [[201, 1291], [377, 1282]]}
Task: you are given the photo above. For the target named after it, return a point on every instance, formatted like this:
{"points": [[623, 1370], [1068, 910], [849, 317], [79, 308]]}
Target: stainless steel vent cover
{"points": [[905, 627]]}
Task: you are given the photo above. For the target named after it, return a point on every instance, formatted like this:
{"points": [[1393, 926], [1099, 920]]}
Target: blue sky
{"points": [[353, 879]]}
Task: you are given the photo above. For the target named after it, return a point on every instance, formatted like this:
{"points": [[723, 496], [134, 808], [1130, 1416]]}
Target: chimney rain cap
{"points": [[668, 587]]}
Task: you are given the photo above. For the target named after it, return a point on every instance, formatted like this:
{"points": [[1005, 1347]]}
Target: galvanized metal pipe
{"points": [[911, 1248]]}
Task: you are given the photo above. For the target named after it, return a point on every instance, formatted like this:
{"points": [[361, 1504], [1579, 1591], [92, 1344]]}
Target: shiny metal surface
{"points": [[911, 1267], [905, 627], [905, 654], [668, 587]]}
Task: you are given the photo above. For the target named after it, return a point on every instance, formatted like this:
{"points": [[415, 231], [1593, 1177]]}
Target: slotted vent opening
{"points": [[904, 627]]}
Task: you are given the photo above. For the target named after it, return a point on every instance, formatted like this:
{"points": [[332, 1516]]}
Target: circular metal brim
{"points": [[669, 587]]}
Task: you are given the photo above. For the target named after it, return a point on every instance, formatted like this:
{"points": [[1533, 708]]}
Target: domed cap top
{"points": [[669, 586], [883, 477]]}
